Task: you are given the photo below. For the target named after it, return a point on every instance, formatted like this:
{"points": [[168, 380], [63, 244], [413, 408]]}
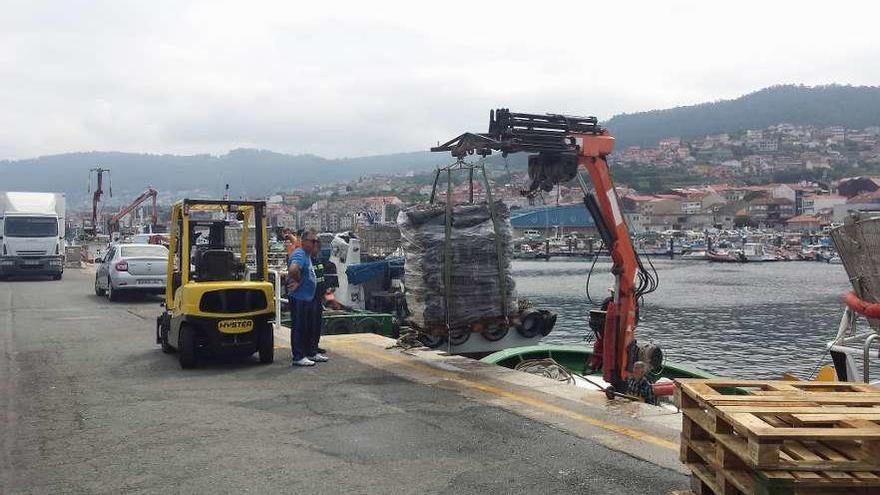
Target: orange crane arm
{"points": [[620, 320], [149, 193], [561, 145]]}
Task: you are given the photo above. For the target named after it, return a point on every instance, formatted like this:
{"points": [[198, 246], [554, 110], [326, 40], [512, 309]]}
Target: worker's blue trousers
{"points": [[302, 329]]}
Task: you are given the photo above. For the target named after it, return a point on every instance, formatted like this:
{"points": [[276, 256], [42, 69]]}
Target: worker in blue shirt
{"points": [[301, 285]]}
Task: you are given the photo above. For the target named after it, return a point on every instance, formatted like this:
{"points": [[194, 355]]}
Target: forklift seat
{"points": [[216, 265]]}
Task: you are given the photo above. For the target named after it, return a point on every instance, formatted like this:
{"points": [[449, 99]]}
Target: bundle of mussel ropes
{"points": [[547, 368]]}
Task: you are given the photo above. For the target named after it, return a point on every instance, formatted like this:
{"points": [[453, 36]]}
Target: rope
{"points": [[447, 257], [509, 175], [409, 339], [818, 365], [499, 248], [590, 274], [547, 368]]}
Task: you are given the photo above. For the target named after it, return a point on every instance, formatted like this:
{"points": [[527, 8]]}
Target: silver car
{"points": [[131, 268]]}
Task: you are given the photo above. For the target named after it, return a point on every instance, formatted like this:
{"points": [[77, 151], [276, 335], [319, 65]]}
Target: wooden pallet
{"points": [[785, 425], [716, 472]]}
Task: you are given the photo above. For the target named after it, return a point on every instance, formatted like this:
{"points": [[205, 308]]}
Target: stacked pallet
{"points": [[744, 437]]}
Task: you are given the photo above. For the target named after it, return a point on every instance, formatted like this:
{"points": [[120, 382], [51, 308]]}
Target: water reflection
{"points": [[750, 320]]}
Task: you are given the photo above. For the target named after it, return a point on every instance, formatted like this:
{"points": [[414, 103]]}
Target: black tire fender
{"points": [[531, 324], [496, 333], [431, 341], [460, 335], [548, 321]]}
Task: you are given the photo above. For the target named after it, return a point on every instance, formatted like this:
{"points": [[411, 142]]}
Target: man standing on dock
{"points": [[318, 310], [301, 285]]}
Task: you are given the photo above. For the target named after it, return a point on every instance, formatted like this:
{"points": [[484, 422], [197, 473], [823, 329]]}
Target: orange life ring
{"points": [[855, 303]]}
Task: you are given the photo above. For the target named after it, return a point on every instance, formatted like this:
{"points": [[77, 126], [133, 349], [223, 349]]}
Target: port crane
{"points": [[560, 146], [97, 195], [150, 193]]}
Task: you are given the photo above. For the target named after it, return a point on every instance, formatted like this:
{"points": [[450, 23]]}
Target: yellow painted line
{"points": [[513, 396]]}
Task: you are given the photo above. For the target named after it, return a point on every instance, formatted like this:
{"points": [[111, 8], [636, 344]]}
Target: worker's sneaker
{"points": [[304, 362], [321, 350], [319, 358]]}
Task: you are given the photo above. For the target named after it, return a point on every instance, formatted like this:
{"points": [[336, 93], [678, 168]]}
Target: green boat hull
{"points": [[574, 358]]}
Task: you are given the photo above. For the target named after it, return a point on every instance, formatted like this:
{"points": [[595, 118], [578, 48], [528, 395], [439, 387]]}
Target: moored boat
{"points": [[575, 358], [697, 255], [726, 256]]}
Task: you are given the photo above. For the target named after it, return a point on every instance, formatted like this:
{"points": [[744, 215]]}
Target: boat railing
{"points": [[853, 341], [276, 276]]}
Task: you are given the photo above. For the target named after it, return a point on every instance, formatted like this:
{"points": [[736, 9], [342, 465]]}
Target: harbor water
{"points": [[752, 320]]}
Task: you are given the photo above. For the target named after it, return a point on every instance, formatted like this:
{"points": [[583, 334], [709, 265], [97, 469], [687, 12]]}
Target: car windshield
{"points": [[31, 227], [144, 252]]}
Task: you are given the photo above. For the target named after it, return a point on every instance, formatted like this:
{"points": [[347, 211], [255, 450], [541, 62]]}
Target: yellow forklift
{"points": [[218, 296]]}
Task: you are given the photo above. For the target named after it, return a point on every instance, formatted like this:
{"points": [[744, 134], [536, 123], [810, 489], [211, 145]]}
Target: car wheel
{"points": [[186, 347], [267, 344], [112, 295], [57, 276], [98, 290]]}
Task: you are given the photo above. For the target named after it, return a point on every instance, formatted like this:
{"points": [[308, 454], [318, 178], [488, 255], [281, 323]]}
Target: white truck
{"points": [[32, 234]]}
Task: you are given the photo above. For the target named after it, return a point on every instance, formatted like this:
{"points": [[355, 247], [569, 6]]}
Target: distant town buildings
{"points": [[761, 152], [736, 170]]}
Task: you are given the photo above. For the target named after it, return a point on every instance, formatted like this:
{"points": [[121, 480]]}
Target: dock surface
{"points": [[89, 404]]}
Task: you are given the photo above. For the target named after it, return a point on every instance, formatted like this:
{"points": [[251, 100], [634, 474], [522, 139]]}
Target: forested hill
{"points": [[852, 106]]}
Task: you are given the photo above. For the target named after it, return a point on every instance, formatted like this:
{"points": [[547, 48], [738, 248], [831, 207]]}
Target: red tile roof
{"points": [[804, 219]]}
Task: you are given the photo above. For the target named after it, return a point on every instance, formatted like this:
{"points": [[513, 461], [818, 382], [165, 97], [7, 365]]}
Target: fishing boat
{"points": [[853, 349], [696, 255], [570, 363], [755, 252], [575, 358], [527, 252], [732, 256]]}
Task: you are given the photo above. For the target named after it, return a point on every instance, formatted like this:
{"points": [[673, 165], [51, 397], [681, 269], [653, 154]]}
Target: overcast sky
{"points": [[348, 79]]}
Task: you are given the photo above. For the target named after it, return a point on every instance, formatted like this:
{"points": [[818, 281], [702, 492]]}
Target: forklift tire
{"points": [[267, 344], [186, 347], [163, 341]]}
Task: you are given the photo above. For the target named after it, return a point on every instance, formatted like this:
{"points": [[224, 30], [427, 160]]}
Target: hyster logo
{"points": [[235, 326]]}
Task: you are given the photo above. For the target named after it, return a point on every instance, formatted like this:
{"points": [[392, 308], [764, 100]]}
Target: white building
{"points": [[813, 203]]}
